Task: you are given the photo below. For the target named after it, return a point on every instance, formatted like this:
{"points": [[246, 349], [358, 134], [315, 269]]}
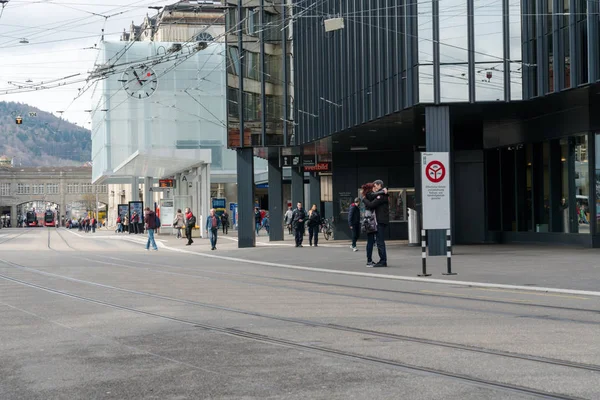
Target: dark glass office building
{"points": [[511, 88]]}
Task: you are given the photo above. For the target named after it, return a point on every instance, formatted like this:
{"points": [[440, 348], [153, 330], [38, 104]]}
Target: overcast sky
{"points": [[58, 32]]}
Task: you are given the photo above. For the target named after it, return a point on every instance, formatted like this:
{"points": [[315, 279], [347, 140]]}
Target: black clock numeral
{"points": [[153, 88], [139, 96], [133, 94]]}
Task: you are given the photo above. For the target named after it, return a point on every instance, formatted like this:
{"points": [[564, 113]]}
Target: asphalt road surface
{"points": [[95, 318]]}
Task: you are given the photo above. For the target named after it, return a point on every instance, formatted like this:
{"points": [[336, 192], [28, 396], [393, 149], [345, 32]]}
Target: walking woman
{"points": [[178, 222], [314, 220]]}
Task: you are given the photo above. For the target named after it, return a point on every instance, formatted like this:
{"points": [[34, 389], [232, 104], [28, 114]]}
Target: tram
{"points": [[49, 218], [31, 218]]}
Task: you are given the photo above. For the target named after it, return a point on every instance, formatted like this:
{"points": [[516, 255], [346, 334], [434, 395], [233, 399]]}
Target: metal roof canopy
{"points": [[158, 163]]}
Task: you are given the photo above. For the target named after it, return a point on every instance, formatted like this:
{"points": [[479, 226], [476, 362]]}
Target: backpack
{"points": [[369, 222], [157, 222]]}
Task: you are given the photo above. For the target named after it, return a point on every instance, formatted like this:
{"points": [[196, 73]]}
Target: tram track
{"points": [[307, 347], [368, 332], [13, 237], [327, 284]]}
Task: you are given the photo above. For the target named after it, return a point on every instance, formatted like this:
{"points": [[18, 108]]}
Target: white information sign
{"points": [[167, 212], [435, 190]]}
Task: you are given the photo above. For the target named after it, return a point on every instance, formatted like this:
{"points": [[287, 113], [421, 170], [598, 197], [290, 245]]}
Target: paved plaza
{"points": [[96, 316]]}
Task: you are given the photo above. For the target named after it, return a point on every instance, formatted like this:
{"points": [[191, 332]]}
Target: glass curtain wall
{"points": [[541, 187], [492, 31], [257, 59]]}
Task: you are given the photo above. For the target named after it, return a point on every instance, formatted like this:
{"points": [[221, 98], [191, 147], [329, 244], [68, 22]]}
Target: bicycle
{"points": [[326, 228]]}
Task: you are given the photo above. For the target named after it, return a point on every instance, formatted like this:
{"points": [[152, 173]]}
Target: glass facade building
{"points": [[508, 87]]}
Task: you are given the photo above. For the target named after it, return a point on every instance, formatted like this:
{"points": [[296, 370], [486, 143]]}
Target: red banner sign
{"points": [[319, 167]]}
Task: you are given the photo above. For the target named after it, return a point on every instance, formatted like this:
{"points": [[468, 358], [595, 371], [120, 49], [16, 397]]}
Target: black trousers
{"points": [[299, 234], [355, 234], [313, 235], [188, 234]]}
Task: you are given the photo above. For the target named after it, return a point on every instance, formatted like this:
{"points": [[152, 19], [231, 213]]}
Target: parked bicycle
{"points": [[326, 228]]}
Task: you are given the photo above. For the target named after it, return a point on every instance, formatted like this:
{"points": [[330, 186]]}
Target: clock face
{"points": [[139, 81]]}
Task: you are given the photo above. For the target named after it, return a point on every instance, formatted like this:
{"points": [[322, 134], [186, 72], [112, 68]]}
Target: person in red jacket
{"points": [[190, 223]]}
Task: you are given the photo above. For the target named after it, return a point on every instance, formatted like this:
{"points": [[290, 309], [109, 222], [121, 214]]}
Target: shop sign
{"points": [[435, 190], [319, 167], [309, 160]]}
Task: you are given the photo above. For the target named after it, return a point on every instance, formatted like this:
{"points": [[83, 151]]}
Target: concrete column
{"points": [[314, 191], [437, 136], [134, 188], [204, 172], [13, 216], [148, 195], [297, 187], [245, 176], [276, 210]]}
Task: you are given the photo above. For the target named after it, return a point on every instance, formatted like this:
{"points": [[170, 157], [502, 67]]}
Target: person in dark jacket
{"points": [[225, 222], [354, 222], [378, 202], [150, 219], [314, 221], [298, 220]]}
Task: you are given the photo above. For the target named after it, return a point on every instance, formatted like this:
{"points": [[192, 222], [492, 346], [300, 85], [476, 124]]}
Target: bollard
{"points": [[424, 252], [449, 253]]}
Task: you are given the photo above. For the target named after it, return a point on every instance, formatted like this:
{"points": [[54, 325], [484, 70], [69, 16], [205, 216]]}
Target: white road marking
{"points": [[379, 276]]}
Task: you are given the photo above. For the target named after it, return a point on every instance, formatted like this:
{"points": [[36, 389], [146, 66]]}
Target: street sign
{"points": [[435, 190]]}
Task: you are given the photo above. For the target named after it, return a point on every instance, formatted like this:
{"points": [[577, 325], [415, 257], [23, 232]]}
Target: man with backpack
{"points": [[151, 219], [190, 223]]}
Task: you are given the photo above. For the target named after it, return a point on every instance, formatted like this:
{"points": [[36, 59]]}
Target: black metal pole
{"points": [[424, 252], [449, 252]]}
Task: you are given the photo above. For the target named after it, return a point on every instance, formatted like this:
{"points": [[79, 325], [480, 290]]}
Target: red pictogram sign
{"points": [[435, 171]]}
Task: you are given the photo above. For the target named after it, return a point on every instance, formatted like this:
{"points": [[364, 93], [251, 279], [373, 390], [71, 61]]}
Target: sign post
{"points": [[435, 194]]}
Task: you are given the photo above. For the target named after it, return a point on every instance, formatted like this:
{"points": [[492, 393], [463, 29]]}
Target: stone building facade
{"points": [[65, 189]]}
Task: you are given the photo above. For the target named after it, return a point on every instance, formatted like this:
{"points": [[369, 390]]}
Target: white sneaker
{"points": [[352, 247], [355, 249]]}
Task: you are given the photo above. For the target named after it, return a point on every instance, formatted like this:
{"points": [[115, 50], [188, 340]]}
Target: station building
{"points": [[65, 190], [508, 88]]}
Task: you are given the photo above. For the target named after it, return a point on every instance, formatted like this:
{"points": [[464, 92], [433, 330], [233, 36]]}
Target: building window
{"points": [[4, 189], [52, 188], [38, 189], [22, 188], [87, 188], [73, 188]]}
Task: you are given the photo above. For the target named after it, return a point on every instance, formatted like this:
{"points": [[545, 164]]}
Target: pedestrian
{"points": [[93, 224], [212, 228], [298, 220], [314, 221], [178, 222], [190, 223], [257, 220], [119, 225], [225, 222], [354, 222], [288, 219], [150, 219], [126, 223], [378, 202], [135, 222]]}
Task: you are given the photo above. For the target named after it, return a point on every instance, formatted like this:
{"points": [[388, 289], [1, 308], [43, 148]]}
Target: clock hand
{"points": [[138, 78]]}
